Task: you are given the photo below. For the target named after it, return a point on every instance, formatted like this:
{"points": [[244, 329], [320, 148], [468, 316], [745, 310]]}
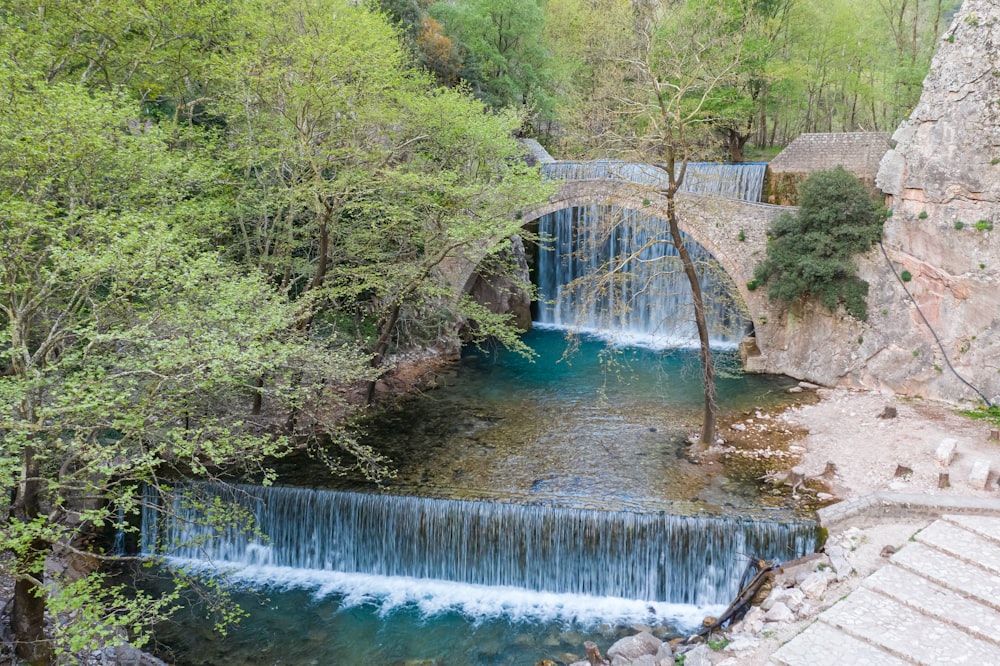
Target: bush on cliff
{"points": [[810, 254]]}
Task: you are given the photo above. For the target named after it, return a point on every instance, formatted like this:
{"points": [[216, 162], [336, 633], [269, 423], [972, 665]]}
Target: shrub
{"points": [[984, 225], [906, 276], [959, 224], [810, 254], [923, 215]]}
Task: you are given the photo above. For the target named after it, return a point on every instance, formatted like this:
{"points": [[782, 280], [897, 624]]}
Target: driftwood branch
{"points": [[763, 571]]}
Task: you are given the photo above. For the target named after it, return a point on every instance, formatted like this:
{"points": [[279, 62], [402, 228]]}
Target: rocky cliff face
{"points": [[943, 184]]}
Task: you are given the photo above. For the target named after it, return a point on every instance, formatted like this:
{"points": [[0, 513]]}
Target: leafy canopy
{"points": [[810, 254]]}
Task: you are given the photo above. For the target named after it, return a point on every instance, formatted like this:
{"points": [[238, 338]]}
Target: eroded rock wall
{"points": [[943, 182]]}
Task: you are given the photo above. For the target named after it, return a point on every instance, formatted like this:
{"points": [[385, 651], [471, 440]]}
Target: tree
{"points": [[159, 50], [504, 44], [128, 345], [365, 186], [810, 253], [656, 101]]}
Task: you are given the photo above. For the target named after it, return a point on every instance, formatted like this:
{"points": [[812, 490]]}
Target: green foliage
{"points": [[959, 225], [507, 64], [983, 225], [810, 253], [923, 215], [990, 414], [906, 276], [159, 276]]}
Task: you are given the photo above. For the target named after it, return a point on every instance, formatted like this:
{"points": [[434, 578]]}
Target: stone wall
{"points": [[944, 170]]}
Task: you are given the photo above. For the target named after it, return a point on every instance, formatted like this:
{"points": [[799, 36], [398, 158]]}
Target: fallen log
{"points": [[763, 573]]}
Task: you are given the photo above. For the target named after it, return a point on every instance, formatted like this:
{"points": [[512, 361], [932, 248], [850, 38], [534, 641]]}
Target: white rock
{"points": [[807, 610], [808, 385], [980, 474], [632, 647], [945, 453], [700, 656], [664, 652], [815, 584], [794, 599], [738, 426], [779, 613], [644, 660], [753, 621], [776, 595], [742, 643], [839, 561]]}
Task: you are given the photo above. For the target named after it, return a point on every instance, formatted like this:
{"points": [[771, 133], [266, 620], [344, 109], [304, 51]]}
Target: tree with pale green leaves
{"points": [[507, 64], [365, 189], [182, 291], [129, 347]]}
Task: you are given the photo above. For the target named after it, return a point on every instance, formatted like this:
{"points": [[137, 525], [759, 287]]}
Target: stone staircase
{"points": [[937, 601]]}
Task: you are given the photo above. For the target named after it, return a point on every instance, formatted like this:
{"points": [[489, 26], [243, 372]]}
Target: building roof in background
{"points": [[858, 152]]}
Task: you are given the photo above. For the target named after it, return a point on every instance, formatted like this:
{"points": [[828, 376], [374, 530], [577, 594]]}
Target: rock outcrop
{"points": [[942, 181]]}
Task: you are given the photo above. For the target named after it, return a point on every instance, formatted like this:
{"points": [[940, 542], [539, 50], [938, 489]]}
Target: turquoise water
{"points": [[583, 425]]}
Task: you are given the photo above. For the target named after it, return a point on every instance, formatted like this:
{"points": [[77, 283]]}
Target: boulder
{"points": [[779, 613], [742, 643], [699, 656], [815, 584], [753, 621], [633, 647]]}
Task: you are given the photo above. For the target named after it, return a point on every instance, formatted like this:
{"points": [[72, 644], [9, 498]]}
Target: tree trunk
{"points": [[382, 346], [258, 396], [707, 370], [28, 611]]}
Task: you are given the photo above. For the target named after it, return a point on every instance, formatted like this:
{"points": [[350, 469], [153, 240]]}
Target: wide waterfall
{"points": [[615, 272], [643, 556], [734, 181]]}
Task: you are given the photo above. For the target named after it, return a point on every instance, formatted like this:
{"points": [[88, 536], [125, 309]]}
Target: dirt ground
{"points": [[844, 427]]}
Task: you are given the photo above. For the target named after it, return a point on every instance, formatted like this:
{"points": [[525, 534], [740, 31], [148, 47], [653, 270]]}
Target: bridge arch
{"points": [[734, 232]]}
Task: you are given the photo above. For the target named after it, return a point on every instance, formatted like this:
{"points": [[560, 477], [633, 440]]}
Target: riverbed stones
{"points": [[753, 621], [838, 560], [779, 613], [701, 655], [815, 584], [627, 649]]}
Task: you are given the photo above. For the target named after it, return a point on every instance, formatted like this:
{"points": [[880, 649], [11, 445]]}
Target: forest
{"points": [[219, 219]]}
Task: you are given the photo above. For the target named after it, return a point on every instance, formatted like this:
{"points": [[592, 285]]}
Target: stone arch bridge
{"points": [[732, 230]]}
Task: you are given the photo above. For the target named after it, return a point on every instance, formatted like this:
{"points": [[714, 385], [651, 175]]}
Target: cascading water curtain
{"points": [[616, 273], [732, 181], [649, 556]]}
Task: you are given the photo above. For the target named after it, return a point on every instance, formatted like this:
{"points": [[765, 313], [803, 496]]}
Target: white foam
{"points": [[478, 602], [624, 339]]}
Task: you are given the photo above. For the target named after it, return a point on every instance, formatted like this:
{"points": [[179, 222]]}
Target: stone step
{"points": [[823, 645], [967, 579], [987, 527], [962, 544], [901, 631], [936, 601]]}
